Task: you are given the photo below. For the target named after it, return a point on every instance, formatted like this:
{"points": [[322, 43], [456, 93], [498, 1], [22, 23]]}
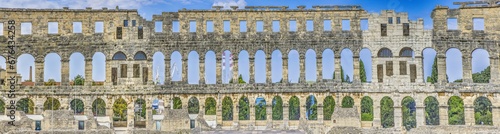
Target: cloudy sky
{"points": [[415, 8]]}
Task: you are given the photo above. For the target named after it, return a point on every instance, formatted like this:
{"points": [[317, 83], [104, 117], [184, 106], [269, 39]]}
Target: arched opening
{"points": [[243, 108], [140, 113], [277, 66], [277, 108], [120, 113], [294, 108], [384, 52], [406, 52], [26, 105], [210, 106], [366, 109], [243, 66], [346, 65], [260, 67], [293, 66], [311, 66], [51, 104], [119, 56], [365, 65], [158, 68], [227, 109], [193, 105], [387, 112], [25, 62], [193, 68], [52, 69], [429, 62], [210, 68], [99, 107], [176, 103], [98, 68], [76, 69], [311, 108], [176, 66], [409, 113], [2, 62], [328, 64], [260, 108], [77, 106], [227, 73], [456, 111], [2, 107], [347, 102], [480, 66], [140, 56], [328, 107], [431, 111], [454, 71], [482, 111]]}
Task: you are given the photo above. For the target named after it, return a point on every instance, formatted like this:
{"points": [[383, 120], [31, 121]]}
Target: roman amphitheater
{"points": [[398, 99]]}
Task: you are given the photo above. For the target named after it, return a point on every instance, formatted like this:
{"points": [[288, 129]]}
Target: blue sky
{"points": [[415, 8]]}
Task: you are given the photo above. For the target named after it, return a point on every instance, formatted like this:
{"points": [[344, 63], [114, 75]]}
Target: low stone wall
{"points": [[108, 131]]}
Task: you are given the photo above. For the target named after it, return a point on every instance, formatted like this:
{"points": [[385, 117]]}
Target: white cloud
{"points": [[78, 4], [227, 3]]}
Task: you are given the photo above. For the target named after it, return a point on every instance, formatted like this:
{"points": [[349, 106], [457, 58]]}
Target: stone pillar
{"points": [[494, 73], [286, 115], [441, 65], [218, 113], [398, 120], [168, 78], [252, 112], [337, 69], [88, 72], [319, 68], [184, 70], [419, 70], [149, 65], [302, 77], [420, 115], [376, 114], [251, 78], [39, 65], [443, 114], [284, 74], [235, 69], [218, 69], [236, 113], [65, 71], [495, 114], [320, 112], [130, 117], [269, 112], [268, 70], [202, 70], [108, 72], [469, 115], [355, 72], [467, 69]]}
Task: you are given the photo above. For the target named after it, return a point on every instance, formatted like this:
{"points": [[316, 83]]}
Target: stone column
{"points": [[269, 112], [235, 69], [65, 71], [469, 115], [130, 117], [236, 113], [108, 72], [218, 113], [420, 115], [495, 113], [320, 112], [302, 77], [319, 68], [184, 71], [443, 114], [398, 120], [494, 73], [337, 69], [376, 114], [39, 65], [286, 115], [218, 69], [202, 70], [419, 70], [149, 65], [168, 78], [88, 72], [284, 74], [441, 65], [252, 112], [355, 72], [251, 78], [268, 70], [467, 69]]}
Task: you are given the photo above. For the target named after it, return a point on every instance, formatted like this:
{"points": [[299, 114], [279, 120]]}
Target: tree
{"points": [[227, 109], [193, 106], [277, 108], [342, 74], [347, 102], [50, 82], [79, 80], [99, 107], [482, 77], [362, 71], [177, 103], [294, 108], [260, 109], [434, 75], [328, 108], [210, 106], [77, 106], [244, 109], [366, 109], [240, 80], [387, 112], [431, 111], [141, 103], [26, 105], [409, 113], [482, 111], [120, 110], [51, 104], [311, 108], [456, 111]]}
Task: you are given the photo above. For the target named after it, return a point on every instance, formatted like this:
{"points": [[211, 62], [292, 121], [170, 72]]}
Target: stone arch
{"points": [[365, 65], [277, 108], [347, 102], [26, 105], [260, 108], [311, 65], [99, 107], [210, 106], [52, 68], [193, 105], [210, 67], [483, 111], [51, 104], [294, 108], [25, 62], [260, 66], [158, 68], [328, 107], [454, 72], [99, 67], [120, 110], [293, 66], [366, 109], [409, 110], [176, 64], [480, 66], [311, 108], [227, 109], [429, 63], [456, 111], [77, 106], [346, 65], [384, 52], [431, 111], [406, 52], [119, 56], [276, 66], [243, 108], [176, 103], [140, 55], [76, 67], [387, 112], [193, 67], [328, 62]]}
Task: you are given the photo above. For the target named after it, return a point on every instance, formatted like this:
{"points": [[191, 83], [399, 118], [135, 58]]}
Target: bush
{"points": [[366, 117]]}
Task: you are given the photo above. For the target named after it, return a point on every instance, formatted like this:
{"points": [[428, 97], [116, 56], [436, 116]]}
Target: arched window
{"points": [[384, 52], [406, 52], [119, 56], [140, 56]]}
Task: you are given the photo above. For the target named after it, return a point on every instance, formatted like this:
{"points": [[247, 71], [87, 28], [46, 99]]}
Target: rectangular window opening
{"points": [[276, 26], [260, 26], [227, 26], [1, 28], [81, 125], [99, 27], [210, 26], [140, 32], [136, 71], [118, 32], [53, 27], [364, 24], [123, 70], [406, 29], [145, 75], [388, 68], [133, 23], [175, 26], [243, 26], [413, 72], [158, 125], [192, 26], [38, 125], [77, 27], [452, 24], [383, 29], [346, 25], [380, 73], [402, 68], [398, 20], [114, 75], [327, 25], [192, 123], [293, 26], [26, 28], [158, 26], [389, 20], [309, 25], [478, 23], [125, 23]]}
